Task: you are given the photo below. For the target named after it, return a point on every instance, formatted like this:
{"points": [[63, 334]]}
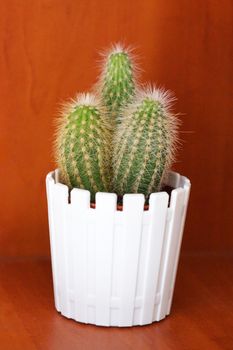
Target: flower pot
{"points": [[111, 267]]}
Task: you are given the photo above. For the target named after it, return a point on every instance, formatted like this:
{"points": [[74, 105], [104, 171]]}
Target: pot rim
{"points": [[119, 206]]}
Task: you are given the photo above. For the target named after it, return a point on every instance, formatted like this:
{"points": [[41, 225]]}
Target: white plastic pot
{"points": [[111, 267]]}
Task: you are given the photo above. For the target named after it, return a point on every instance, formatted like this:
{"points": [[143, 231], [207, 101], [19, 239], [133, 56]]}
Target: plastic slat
{"points": [[104, 221], [157, 220], [80, 206], [60, 206], [52, 235], [179, 238], [130, 246], [170, 251]]}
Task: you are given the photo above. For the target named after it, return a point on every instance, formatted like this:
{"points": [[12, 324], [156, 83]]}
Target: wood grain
{"points": [[49, 52], [201, 318]]}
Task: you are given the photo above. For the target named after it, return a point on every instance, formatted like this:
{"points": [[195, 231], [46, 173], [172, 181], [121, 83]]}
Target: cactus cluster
{"points": [[119, 138]]}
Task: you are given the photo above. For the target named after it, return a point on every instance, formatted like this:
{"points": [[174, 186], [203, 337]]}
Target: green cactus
{"points": [[118, 79], [144, 143], [82, 145], [142, 146]]}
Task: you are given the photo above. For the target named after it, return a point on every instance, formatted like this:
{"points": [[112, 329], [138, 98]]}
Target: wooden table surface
{"points": [[201, 318]]}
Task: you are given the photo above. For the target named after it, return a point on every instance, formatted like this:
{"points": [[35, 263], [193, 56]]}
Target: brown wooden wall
{"points": [[49, 52]]}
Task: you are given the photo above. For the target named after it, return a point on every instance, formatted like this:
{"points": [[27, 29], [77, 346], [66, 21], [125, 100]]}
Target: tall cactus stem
{"points": [[145, 143], [118, 80]]}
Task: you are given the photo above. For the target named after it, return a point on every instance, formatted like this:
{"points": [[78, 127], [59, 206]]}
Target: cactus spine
{"points": [[82, 145], [117, 81], [144, 143]]}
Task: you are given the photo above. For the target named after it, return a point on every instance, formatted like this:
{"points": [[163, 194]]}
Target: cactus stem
{"points": [[147, 148], [131, 159], [83, 153], [118, 80]]}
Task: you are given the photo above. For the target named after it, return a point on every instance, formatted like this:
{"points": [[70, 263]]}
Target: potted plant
{"points": [[116, 211]]}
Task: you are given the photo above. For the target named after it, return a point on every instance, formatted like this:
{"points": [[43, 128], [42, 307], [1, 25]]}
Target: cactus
{"points": [[82, 145], [144, 144], [118, 79]]}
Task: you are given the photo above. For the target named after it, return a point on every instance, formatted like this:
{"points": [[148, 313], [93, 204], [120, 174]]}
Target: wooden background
{"points": [[49, 50]]}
